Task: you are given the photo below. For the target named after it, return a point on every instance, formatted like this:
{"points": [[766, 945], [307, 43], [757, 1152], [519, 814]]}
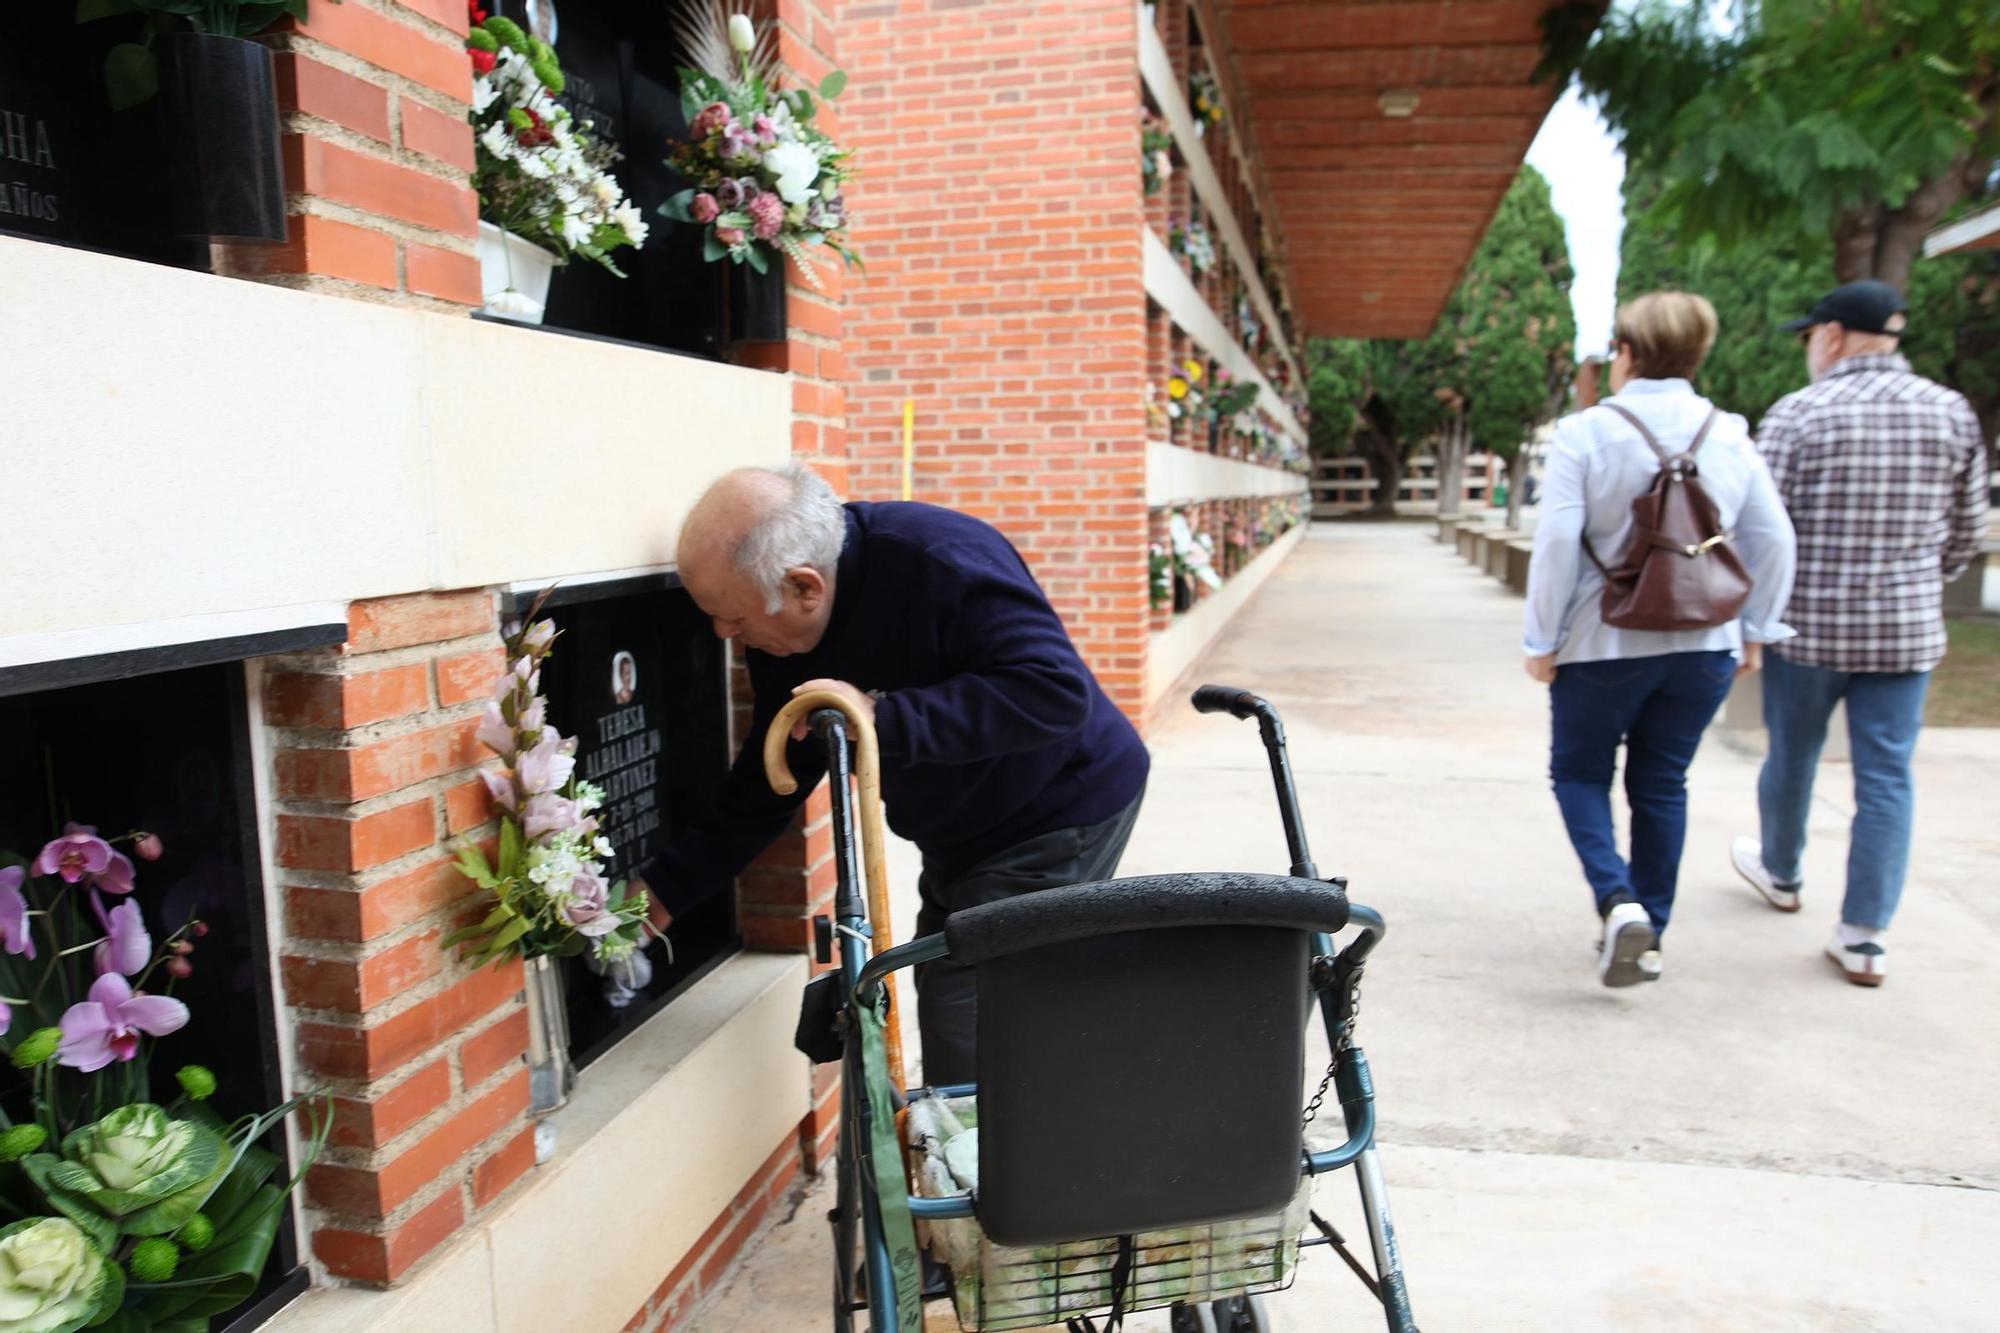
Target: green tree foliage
{"points": [[1763, 280], [1497, 364], [1851, 121]]}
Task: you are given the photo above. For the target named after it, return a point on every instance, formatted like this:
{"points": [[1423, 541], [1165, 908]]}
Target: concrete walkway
{"points": [[1749, 1144]]}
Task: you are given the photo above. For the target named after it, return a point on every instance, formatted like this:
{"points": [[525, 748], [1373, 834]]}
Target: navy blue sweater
{"points": [[992, 729]]}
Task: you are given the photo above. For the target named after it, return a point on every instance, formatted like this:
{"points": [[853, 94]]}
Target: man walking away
{"points": [[1884, 473]]}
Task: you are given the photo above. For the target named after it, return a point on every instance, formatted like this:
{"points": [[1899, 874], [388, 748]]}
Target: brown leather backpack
{"points": [[1679, 570]]}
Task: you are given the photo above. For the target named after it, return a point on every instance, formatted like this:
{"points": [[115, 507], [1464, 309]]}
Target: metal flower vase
{"points": [[551, 1076]]}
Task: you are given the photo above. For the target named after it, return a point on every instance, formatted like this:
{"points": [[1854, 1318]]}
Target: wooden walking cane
{"points": [[868, 775]]}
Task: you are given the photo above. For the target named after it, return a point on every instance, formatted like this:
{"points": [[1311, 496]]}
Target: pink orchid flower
{"points": [[14, 933], [108, 1025], [127, 947], [116, 877], [78, 852]]}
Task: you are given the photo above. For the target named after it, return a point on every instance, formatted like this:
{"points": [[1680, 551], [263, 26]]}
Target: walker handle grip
{"points": [[1226, 699]]}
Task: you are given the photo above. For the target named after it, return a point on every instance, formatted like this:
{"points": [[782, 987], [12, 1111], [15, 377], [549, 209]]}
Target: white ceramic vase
{"points": [[513, 275]]}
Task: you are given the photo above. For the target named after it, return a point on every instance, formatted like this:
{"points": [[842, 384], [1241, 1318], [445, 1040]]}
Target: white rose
{"points": [[796, 168], [742, 33]]}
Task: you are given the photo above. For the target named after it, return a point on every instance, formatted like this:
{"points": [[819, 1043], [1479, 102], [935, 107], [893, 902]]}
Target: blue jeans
{"points": [[1885, 710], [1657, 707]]}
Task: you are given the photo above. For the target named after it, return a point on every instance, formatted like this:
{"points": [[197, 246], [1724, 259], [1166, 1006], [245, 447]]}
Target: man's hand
{"points": [[862, 701], [1541, 669], [1753, 659], [658, 917]]}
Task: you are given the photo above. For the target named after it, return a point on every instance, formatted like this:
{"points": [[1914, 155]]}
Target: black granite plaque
{"points": [[638, 678], [72, 170]]}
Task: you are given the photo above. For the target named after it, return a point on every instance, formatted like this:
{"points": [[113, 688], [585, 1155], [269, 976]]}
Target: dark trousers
{"points": [[1657, 707], [947, 991]]}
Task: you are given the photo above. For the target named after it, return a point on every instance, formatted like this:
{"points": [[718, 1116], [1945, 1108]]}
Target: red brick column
{"points": [[378, 156], [374, 789]]}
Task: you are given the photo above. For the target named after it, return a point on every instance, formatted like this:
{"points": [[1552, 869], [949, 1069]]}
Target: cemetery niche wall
{"points": [[74, 170], [619, 59], [640, 680], [167, 753]]}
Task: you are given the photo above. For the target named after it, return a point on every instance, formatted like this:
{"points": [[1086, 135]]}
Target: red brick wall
{"points": [[378, 156], [998, 209], [373, 787]]}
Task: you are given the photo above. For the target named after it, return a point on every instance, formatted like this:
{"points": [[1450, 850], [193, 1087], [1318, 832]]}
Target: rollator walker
{"points": [[1141, 1045]]}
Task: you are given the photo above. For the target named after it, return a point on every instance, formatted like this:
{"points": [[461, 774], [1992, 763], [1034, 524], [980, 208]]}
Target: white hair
{"points": [[804, 530]]}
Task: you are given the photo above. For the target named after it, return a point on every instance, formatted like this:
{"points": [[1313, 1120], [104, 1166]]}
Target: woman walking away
{"points": [[1662, 562]]}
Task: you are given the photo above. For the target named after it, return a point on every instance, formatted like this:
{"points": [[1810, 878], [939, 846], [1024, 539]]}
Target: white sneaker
{"points": [[1649, 965], [1747, 855], [1863, 964], [1628, 936]]}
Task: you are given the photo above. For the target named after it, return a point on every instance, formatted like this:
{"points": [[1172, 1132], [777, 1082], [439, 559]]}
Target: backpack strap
{"points": [[1654, 444]]}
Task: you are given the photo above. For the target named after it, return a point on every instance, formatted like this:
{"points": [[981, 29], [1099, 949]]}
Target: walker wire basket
{"points": [[997, 1287]]}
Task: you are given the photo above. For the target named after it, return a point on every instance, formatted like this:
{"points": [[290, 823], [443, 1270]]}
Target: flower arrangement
{"points": [[540, 173], [126, 1213], [1231, 395], [1184, 395], [1191, 241], [550, 892], [1205, 99], [1194, 552], [1156, 152], [767, 182]]}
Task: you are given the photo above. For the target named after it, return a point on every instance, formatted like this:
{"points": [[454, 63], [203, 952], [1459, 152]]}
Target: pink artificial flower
{"points": [[704, 208], [767, 216], [500, 785], [494, 733], [730, 236], [766, 132], [730, 192], [548, 766], [589, 906], [14, 934], [127, 948], [148, 847], [6, 1017], [78, 852], [711, 118], [108, 1025], [548, 813]]}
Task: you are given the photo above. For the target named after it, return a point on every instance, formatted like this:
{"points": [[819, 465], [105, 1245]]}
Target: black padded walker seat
{"points": [[1141, 1051]]}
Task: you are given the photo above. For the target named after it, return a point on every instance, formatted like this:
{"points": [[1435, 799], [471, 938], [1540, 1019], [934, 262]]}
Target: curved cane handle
{"points": [[868, 776]]}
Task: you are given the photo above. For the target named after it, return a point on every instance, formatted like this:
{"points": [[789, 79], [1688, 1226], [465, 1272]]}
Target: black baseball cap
{"points": [[1864, 307]]}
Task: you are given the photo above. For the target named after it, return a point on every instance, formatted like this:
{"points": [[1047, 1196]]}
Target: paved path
{"points": [[1749, 1144]]}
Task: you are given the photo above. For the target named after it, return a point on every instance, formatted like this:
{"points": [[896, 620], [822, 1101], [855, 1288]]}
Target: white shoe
{"points": [[1649, 965], [1747, 855], [1863, 964], [1628, 936]]}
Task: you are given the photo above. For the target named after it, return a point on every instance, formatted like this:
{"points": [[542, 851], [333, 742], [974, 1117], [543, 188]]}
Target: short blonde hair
{"points": [[1670, 333]]}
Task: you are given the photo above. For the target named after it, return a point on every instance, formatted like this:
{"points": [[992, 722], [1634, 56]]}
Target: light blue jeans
{"points": [[1885, 710]]}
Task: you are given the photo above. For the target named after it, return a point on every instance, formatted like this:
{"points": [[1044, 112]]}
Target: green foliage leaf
{"points": [[753, 254], [511, 849], [131, 75], [712, 249], [676, 208], [833, 85]]}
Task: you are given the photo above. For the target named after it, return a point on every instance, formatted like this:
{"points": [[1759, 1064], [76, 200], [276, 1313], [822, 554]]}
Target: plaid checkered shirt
{"points": [[1884, 473]]}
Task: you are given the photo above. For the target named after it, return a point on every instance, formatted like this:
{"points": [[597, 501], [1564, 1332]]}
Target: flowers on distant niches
{"points": [[551, 893], [540, 173], [108, 1025], [763, 179]]}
